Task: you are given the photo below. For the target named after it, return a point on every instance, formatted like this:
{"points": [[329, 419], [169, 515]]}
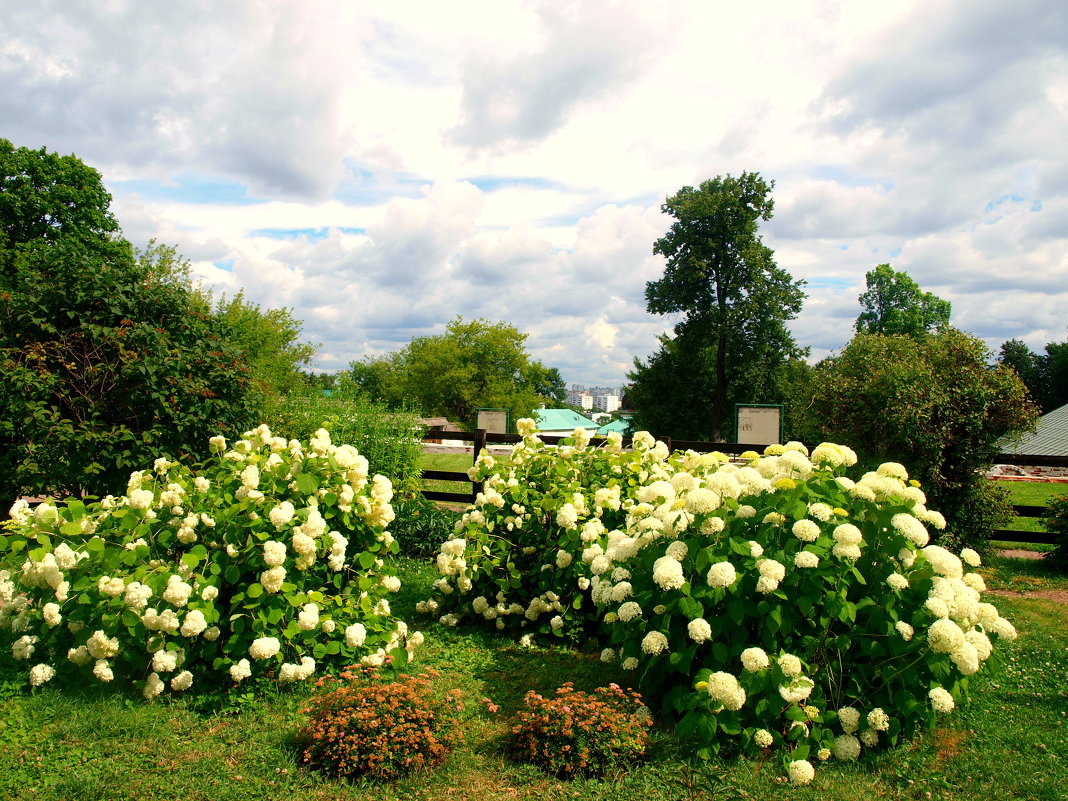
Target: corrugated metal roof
{"points": [[1051, 438], [622, 426], [562, 420]]}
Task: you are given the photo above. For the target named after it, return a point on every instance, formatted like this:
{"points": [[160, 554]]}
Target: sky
{"points": [[382, 168]]}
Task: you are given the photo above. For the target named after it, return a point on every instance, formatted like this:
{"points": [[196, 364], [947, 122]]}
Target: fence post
{"points": [[479, 443]]}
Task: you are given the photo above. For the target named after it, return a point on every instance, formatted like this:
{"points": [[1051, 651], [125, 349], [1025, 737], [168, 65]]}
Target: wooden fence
{"points": [[480, 439]]}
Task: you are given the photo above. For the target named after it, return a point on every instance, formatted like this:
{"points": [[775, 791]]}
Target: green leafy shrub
{"points": [[931, 402], [582, 734], [390, 441], [1056, 522], [777, 602], [378, 728], [421, 525], [266, 559]]}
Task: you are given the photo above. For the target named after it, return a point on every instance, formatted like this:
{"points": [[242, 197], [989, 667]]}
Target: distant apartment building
{"points": [[605, 399]]}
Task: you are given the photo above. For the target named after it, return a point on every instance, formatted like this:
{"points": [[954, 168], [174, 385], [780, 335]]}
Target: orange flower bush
{"points": [[372, 727], [582, 734]]}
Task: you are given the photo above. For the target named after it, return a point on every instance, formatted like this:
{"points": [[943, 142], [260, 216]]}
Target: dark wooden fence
{"points": [[480, 438]]}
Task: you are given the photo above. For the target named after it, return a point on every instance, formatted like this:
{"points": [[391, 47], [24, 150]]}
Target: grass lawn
{"points": [[453, 462], [1007, 742], [1030, 493]]}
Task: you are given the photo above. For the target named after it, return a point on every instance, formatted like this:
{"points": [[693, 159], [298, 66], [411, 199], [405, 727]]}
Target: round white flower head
{"points": [[799, 688], [41, 673], [754, 659], [177, 591], [678, 550], [763, 738], [966, 658], [824, 754], [153, 686], [608, 655], [724, 687], [721, 574], [806, 559], [849, 717], [654, 642], [771, 569], [274, 553], [1003, 629], [239, 671], [563, 559], [272, 579], [944, 563], [264, 648], [847, 534], [806, 531], [905, 630], [702, 500], [945, 636], [894, 470], [878, 719], [941, 700], [801, 771], [869, 737], [567, 516], [183, 681], [911, 528], [699, 629], [897, 581], [667, 573], [629, 611], [846, 747], [630, 663], [790, 665], [355, 635]]}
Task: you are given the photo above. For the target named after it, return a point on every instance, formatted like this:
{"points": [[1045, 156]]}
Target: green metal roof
{"points": [[1051, 438], [562, 420], [624, 427]]}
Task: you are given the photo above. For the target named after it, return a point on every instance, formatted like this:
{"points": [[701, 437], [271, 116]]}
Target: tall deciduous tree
{"points": [[894, 304], [735, 299], [1045, 374]]}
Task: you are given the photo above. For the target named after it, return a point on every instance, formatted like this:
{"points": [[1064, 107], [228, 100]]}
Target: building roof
{"points": [[622, 426], [562, 420], [1050, 439]]}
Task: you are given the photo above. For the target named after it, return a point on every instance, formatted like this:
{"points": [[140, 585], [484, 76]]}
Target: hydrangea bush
{"points": [[773, 603], [267, 558]]}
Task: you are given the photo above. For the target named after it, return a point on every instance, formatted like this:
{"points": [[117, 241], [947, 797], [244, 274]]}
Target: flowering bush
{"points": [[368, 726], [267, 558], [582, 734], [773, 603]]}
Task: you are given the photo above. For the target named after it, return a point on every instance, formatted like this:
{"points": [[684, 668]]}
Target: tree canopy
{"points": [[894, 304], [108, 358], [736, 301], [474, 364], [1044, 374]]}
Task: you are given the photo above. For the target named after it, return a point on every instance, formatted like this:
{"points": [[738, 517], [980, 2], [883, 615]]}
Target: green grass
{"points": [[1030, 493], [1007, 742], [455, 462]]}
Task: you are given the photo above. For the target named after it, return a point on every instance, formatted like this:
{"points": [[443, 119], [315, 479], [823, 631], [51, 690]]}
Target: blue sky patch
{"points": [[225, 264], [193, 188]]}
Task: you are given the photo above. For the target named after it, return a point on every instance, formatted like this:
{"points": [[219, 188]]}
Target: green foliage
{"points": [[575, 733], [474, 364], [1056, 522], [372, 727], [894, 304], [390, 441], [106, 360], [735, 298], [932, 403], [1045, 374], [266, 559], [756, 604], [421, 525]]}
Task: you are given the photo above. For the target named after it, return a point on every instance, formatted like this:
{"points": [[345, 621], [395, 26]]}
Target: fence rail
{"points": [[480, 439]]}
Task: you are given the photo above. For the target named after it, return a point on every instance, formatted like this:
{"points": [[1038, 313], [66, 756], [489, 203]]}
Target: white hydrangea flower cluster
{"points": [[667, 556], [180, 566]]}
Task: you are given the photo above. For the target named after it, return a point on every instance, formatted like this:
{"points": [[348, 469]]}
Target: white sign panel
{"points": [[759, 425], [495, 421]]}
